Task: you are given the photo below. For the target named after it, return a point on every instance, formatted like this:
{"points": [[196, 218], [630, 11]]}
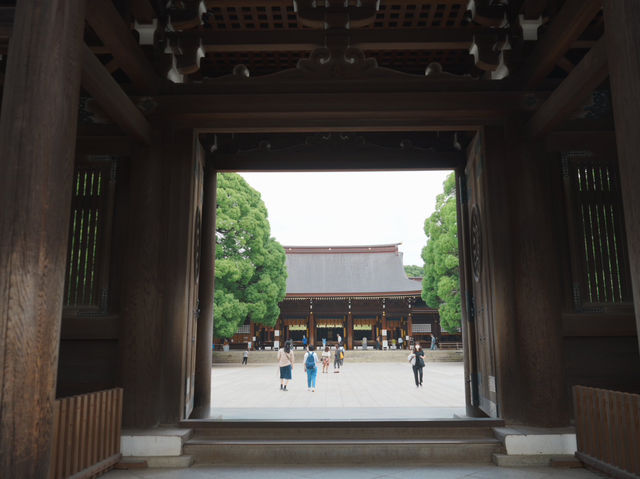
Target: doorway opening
{"points": [[368, 387]]}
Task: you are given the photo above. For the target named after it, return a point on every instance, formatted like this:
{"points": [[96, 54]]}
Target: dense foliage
{"points": [[414, 271], [441, 281], [251, 274]]}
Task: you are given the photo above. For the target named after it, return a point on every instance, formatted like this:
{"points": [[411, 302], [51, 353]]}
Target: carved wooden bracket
{"points": [[329, 14], [489, 50], [185, 14], [490, 13]]}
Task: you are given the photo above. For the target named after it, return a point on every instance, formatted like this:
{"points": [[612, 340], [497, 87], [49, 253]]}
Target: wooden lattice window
{"points": [[599, 264], [87, 274]]}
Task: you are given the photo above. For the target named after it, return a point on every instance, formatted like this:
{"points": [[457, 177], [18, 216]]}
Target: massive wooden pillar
{"points": [[37, 144], [311, 336], [623, 41], [537, 396], [349, 330], [202, 399], [142, 291]]}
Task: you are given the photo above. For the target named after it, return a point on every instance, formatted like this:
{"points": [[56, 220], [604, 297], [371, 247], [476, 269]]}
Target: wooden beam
{"points": [[116, 36], [357, 111], [307, 40], [94, 139], [584, 78], [565, 64], [533, 9], [115, 103], [143, 11], [565, 28], [598, 141], [38, 124], [338, 158]]}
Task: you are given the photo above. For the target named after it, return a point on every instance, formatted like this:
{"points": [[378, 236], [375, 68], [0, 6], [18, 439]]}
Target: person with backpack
{"points": [[285, 361], [311, 367], [416, 359]]}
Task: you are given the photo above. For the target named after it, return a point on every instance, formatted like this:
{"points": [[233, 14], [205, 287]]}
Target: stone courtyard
{"points": [[362, 390]]}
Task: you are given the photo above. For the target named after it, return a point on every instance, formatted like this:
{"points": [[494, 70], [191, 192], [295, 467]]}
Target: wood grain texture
{"points": [[623, 43], [585, 77], [37, 137], [114, 33], [537, 290], [115, 103], [498, 221], [178, 166], [202, 400], [142, 291], [564, 30]]}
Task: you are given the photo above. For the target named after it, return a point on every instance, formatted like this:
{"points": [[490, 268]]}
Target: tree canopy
{"points": [[441, 281], [251, 274], [414, 271]]}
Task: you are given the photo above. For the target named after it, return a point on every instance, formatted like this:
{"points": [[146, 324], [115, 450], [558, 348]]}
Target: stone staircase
{"points": [[343, 442], [351, 356]]}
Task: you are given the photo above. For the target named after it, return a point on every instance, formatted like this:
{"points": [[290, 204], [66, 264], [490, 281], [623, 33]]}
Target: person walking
{"points": [[285, 361], [400, 342], [336, 360], [433, 342], [326, 357], [416, 358], [304, 341], [245, 356], [311, 367]]}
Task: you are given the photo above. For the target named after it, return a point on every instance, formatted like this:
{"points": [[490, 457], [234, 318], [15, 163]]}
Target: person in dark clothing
{"points": [[416, 358]]}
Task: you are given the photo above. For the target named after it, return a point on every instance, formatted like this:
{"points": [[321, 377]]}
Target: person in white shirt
{"points": [[311, 367]]}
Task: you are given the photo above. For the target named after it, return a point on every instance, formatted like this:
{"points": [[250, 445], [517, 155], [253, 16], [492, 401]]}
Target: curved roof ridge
{"points": [[381, 248], [373, 270]]}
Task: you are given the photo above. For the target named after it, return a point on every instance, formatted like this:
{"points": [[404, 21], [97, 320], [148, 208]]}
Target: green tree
{"points": [[251, 274], [441, 281], [414, 271]]}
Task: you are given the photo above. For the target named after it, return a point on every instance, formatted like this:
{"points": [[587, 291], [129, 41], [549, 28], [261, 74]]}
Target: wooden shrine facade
{"points": [[535, 104], [351, 292], [381, 320]]}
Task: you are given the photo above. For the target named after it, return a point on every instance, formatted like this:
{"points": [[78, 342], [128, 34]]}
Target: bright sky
{"points": [[355, 208]]}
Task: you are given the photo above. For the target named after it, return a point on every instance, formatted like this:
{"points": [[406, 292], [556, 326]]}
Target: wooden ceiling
{"points": [[280, 15]]}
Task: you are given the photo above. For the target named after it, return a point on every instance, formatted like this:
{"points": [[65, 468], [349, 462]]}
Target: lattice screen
{"points": [[596, 232], [89, 212], [421, 327], [279, 15]]}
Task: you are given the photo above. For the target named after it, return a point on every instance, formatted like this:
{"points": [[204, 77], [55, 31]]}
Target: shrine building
{"points": [[351, 292]]}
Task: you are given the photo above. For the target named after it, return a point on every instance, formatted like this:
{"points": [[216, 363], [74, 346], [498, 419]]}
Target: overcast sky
{"points": [[355, 208]]}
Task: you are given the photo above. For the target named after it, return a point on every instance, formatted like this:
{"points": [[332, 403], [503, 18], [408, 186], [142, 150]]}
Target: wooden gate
{"points": [[194, 278], [480, 306]]}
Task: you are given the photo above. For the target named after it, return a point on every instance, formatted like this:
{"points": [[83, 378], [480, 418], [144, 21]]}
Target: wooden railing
{"points": [[608, 430], [86, 440]]}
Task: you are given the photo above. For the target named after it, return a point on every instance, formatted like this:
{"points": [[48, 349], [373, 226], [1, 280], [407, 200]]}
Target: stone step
{"points": [[314, 430], [350, 433], [175, 462], [341, 451], [352, 355]]}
